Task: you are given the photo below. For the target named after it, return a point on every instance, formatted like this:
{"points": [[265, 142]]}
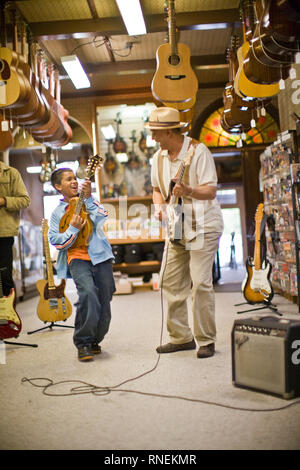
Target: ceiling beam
{"points": [[149, 65], [77, 29], [134, 92]]}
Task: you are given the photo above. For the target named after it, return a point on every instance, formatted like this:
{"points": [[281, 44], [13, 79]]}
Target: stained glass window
{"points": [[213, 135]]}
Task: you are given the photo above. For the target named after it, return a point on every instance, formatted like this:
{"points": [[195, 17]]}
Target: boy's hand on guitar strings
{"points": [[77, 221]]}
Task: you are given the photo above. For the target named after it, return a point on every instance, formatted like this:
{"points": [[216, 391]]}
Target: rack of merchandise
{"points": [[278, 165], [131, 226]]}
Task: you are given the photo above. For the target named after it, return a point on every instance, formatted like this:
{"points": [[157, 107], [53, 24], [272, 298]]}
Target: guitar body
{"points": [[85, 233], [174, 83], [245, 87], [53, 306], [256, 286], [6, 137], [10, 322], [174, 214], [263, 74], [15, 90], [185, 106]]}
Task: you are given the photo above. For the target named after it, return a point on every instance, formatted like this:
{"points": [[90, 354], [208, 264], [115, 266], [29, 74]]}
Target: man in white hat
{"points": [[189, 255]]}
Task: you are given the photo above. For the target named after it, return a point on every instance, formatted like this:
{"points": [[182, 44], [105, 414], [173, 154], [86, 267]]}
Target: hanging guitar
{"points": [[10, 322], [53, 305], [76, 206], [45, 174], [243, 86], [119, 144], [256, 286], [174, 208], [174, 79]]}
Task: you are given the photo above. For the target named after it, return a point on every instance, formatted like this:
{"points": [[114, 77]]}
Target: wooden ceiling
{"points": [[116, 62]]}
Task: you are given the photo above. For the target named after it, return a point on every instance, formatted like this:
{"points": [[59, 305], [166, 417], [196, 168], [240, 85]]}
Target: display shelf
{"points": [[131, 222], [279, 206]]}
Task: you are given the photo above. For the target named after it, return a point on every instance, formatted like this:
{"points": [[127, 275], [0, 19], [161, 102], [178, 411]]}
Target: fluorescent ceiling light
{"points": [[75, 71], [34, 169], [108, 132], [132, 16]]}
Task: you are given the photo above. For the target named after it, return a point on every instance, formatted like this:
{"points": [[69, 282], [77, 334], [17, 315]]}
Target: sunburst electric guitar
{"points": [[257, 287], [10, 322], [174, 79], [53, 305]]}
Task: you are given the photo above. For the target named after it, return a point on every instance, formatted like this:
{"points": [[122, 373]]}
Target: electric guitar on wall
{"points": [[174, 208], [76, 206], [174, 79], [10, 322], [53, 305], [256, 286]]}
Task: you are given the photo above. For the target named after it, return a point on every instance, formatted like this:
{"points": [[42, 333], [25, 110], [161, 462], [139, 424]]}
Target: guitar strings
{"points": [[82, 387]]}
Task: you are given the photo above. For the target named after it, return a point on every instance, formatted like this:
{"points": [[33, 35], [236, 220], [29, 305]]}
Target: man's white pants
{"points": [[182, 272]]}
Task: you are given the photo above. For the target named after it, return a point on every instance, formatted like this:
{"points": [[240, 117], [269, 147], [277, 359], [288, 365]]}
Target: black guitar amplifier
{"points": [[266, 355]]}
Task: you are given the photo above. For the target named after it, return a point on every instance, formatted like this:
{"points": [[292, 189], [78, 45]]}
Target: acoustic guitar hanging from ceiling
{"points": [[174, 79]]}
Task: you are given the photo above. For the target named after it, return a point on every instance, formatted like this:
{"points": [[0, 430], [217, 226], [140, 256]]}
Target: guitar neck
{"points": [[79, 203], [172, 31], [257, 260], [49, 266]]}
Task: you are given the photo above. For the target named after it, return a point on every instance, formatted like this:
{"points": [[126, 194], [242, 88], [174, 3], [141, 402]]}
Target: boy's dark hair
{"points": [[56, 176]]}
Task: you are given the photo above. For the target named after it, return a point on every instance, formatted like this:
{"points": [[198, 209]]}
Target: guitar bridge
{"points": [[53, 303], [175, 77]]}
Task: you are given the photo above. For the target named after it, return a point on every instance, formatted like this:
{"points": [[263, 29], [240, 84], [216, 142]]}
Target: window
{"points": [[213, 135]]}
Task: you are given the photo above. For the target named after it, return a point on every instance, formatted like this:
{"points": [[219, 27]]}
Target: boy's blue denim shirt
{"points": [[99, 248]]}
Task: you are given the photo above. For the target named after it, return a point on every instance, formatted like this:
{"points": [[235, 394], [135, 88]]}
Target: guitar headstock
{"points": [[93, 163], [259, 213]]}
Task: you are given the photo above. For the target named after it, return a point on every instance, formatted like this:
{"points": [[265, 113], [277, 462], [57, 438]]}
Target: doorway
{"points": [[233, 246]]}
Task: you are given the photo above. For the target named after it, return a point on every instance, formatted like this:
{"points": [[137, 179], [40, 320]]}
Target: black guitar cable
{"points": [[81, 387]]}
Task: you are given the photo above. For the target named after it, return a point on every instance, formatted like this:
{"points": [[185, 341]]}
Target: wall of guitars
{"points": [[127, 148]]}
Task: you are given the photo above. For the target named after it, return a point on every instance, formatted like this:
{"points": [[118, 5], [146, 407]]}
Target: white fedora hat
{"points": [[164, 118]]}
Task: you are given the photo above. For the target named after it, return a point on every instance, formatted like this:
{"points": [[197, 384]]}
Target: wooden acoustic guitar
{"points": [[10, 322], [254, 69], [14, 92], [237, 114], [77, 206], [174, 208], [243, 86], [174, 80], [53, 305], [256, 286], [268, 49]]}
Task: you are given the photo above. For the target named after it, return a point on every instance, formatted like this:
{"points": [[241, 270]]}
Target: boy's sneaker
{"points": [[85, 354], [96, 349]]}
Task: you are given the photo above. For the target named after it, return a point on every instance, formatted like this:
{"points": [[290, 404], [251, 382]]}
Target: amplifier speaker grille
{"points": [[262, 355]]}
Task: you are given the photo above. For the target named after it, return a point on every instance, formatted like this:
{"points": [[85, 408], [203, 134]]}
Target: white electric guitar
{"points": [[174, 208], [257, 287]]}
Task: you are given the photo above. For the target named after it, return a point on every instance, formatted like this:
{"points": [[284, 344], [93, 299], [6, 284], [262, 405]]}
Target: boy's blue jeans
{"points": [[95, 287]]}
